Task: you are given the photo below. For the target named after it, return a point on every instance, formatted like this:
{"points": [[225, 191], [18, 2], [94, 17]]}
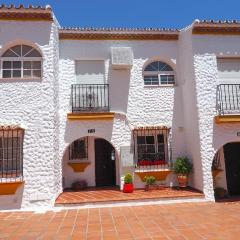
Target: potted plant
{"points": [[150, 183], [128, 183], [182, 167]]}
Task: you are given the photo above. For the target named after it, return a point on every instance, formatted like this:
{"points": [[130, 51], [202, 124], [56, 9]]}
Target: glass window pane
{"points": [[25, 49], [6, 73], [36, 65], [17, 50], [7, 64], [26, 73], [9, 53], [150, 139], [16, 73], [33, 53], [17, 65], [36, 73], [27, 64], [160, 138], [141, 140], [151, 80]]}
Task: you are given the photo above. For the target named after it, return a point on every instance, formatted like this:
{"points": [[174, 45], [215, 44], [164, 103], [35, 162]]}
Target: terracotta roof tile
{"points": [[22, 13], [219, 27], [119, 33]]}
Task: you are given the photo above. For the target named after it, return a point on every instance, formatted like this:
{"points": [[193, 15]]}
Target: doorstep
{"points": [[114, 195]]}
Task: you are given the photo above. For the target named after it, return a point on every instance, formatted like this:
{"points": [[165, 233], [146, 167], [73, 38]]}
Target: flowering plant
{"points": [[150, 162]]}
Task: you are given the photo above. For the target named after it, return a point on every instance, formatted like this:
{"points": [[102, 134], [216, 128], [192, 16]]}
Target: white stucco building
{"points": [[93, 104]]}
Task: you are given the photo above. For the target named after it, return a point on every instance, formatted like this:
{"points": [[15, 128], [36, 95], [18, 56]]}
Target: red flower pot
{"points": [[128, 188]]}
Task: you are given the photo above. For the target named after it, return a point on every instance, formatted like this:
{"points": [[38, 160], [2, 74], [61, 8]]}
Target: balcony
{"points": [[228, 103], [90, 102]]}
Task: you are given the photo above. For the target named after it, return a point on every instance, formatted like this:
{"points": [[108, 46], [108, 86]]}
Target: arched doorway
{"points": [[232, 166], [92, 160], [226, 170], [105, 167]]}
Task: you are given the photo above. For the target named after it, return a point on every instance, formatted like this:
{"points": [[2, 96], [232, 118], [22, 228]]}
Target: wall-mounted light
{"points": [[113, 157]]}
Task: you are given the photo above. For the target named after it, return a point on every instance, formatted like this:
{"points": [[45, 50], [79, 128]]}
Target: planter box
{"points": [[79, 167], [9, 188]]}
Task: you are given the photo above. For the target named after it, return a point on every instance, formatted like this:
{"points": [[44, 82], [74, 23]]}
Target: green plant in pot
{"points": [[182, 167], [150, 182], [128, 183]]}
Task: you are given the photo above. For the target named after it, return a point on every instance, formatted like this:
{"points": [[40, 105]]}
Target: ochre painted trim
{"points": [[91, 116], [9, 188], [79, 167], [227, 119], [160, 175]]}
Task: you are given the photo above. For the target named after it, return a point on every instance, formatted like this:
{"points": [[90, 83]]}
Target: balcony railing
{"points": [[228, 99], [90, 98]]}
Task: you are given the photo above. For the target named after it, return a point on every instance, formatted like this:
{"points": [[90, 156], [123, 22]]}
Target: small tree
{"points": [[150, 180], [182, 165]]}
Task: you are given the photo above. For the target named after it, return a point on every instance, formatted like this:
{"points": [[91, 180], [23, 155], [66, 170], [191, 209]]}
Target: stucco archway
{"points": [[226, 170], [83, 165]]}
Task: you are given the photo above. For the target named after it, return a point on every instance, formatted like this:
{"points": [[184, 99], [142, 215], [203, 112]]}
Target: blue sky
{"points": [[137, 13]]}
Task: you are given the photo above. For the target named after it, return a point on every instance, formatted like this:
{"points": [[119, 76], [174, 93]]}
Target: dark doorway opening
{"points": [[232, 165], [105, 167]]}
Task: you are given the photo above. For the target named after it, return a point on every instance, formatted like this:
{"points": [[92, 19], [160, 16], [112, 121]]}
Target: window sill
{"points": [[21, 79], [9, 188], [79, 166], [161, 85]]}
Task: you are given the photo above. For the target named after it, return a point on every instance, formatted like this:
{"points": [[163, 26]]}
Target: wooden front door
{"points": [[105, 170], [232, 165]]}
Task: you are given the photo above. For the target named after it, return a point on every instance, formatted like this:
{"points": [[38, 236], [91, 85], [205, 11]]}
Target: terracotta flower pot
{"points": [[128, 188], [182, 180]]}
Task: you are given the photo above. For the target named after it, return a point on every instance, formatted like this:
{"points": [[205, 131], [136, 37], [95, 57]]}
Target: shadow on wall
{"points": [[8, 202], [119, 81]]}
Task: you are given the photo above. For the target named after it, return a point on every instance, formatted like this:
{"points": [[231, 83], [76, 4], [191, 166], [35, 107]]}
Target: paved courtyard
{"points": [[214, 221]]}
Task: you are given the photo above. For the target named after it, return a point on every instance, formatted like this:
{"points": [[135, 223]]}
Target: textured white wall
{"points": [[134, 103], [33, 104], [205, 50]]}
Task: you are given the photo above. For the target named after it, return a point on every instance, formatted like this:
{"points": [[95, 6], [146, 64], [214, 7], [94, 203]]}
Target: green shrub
{"points": [[150, 180], [128, 178], [182, 165]]}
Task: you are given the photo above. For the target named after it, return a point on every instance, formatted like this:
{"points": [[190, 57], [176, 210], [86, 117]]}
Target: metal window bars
{"points": [[151, 148], [78, 149], [11, 154], [228, 99], [90, 97]]}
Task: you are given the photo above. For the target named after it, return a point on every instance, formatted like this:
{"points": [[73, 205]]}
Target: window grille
{"points": [[79, 149], [151, 147], [11, 154]]}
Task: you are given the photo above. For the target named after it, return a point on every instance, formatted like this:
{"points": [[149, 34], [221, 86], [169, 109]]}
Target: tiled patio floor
{"points": [[211, 221], [96, 195]]}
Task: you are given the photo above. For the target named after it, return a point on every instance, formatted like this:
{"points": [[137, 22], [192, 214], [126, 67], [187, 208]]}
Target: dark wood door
{"points": [[105, 171], [232, 165]]}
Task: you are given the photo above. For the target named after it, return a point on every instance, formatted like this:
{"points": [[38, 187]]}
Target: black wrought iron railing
{"points": [[228, 99], [11, 155], [90, 98]]}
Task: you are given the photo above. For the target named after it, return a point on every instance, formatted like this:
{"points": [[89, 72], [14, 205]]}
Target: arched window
{"points": [[158, 73], [21, 61]]}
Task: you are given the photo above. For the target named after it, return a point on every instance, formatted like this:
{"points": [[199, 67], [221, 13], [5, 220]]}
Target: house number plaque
{"points": [[91, 130]]}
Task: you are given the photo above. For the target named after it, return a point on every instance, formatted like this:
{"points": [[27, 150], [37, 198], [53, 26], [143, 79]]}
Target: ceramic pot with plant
{"points": [[128, 183], [182, 167], [150, 183]]}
